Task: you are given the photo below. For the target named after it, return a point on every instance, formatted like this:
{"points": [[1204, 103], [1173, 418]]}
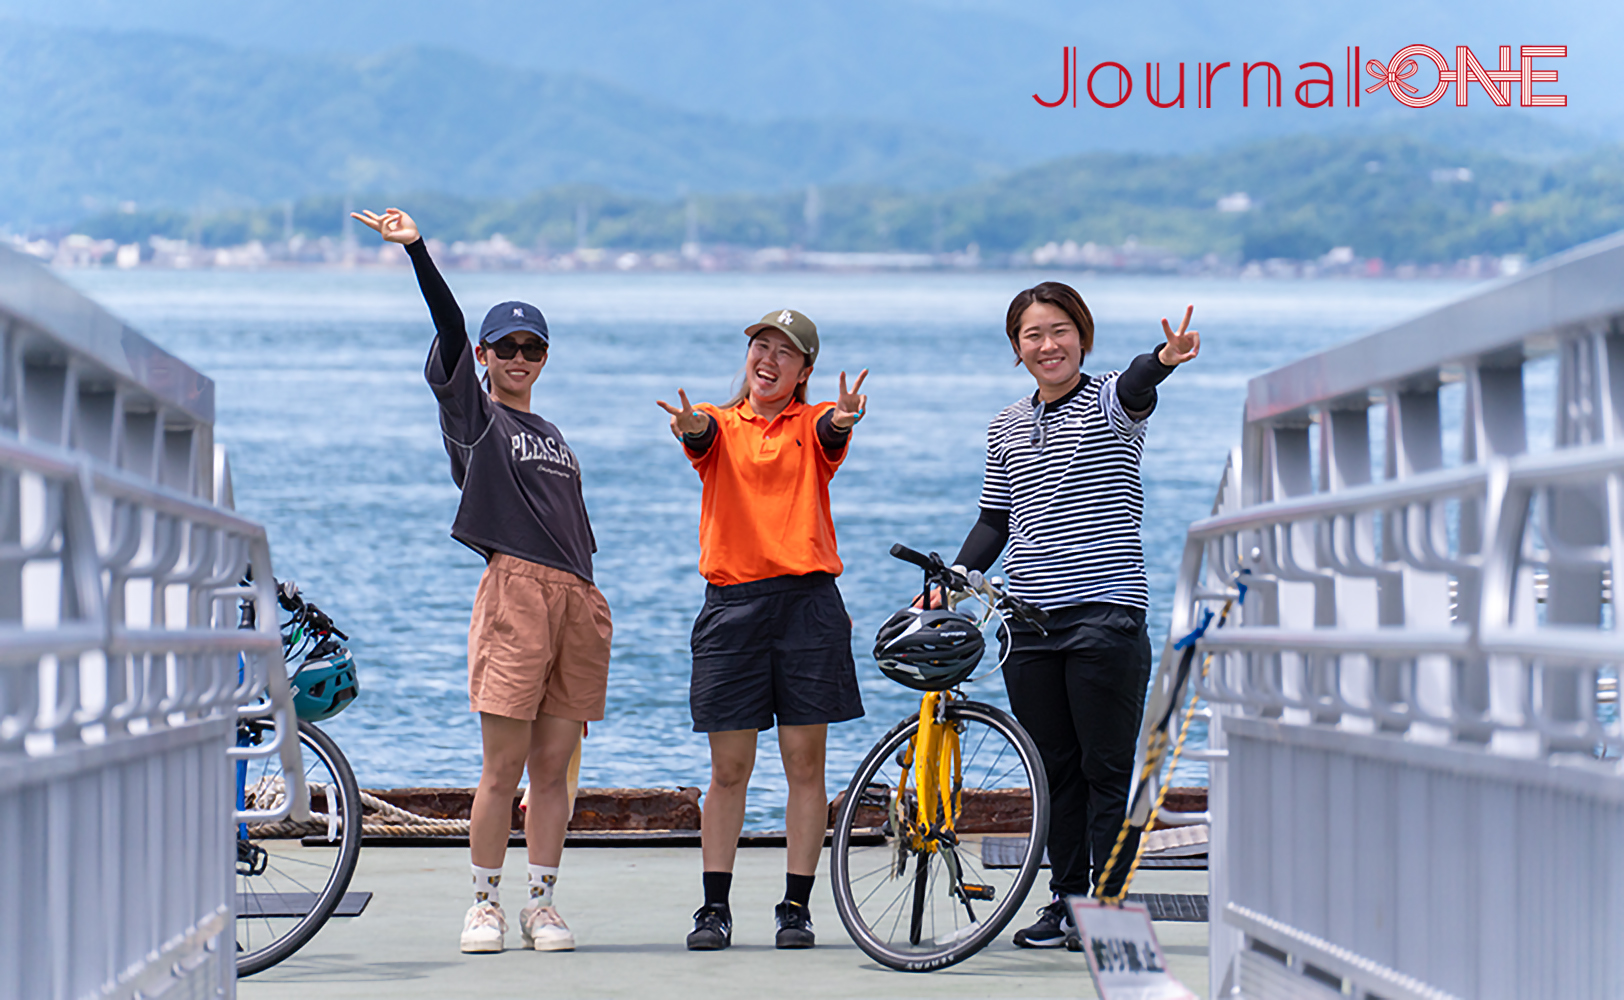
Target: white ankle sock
{"points": [[542, 879], [487, 885]]}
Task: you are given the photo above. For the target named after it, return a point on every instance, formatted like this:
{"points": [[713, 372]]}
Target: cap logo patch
{"points": [[786, 317], [518, 312]]}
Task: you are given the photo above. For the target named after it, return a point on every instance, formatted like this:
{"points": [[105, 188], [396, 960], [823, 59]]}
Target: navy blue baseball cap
{"points": [[508, 317]]}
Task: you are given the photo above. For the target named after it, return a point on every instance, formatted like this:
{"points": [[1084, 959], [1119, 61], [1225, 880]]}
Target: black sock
{"points": [[798, 888], [717, 885]]}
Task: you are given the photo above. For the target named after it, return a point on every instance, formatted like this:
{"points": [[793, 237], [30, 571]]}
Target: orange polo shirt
{"points": [[765, 510]]}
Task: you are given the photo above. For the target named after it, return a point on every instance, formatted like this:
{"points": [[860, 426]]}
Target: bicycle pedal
{"points": [[974, 891]]}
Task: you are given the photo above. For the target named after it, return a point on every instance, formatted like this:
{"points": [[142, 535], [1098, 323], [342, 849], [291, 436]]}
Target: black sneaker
{"points": [[713, 929], [1053, 927], [794, 925]]}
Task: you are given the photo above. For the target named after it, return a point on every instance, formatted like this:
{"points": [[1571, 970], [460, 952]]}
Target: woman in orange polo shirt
{"points": [[773, 640]]}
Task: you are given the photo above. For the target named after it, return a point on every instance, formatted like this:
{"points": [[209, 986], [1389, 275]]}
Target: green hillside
{"points": [[1391, 197], [967, 66], [98, 118]]}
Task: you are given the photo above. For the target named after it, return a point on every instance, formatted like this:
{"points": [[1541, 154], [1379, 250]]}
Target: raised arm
{"points": [[1136, 387], [397, 227]]}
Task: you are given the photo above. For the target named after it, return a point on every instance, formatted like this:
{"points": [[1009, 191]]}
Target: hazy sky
{"points": [[266, 99], [967, 64]]}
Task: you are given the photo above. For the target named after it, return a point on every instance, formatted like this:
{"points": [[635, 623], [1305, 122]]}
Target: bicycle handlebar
{"points": [[1031, 612], [320, 622], [906, 554], [951, 578], [287, 594]]}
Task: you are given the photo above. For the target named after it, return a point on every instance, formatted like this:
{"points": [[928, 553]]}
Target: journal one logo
{"points": [[1521, 77]]}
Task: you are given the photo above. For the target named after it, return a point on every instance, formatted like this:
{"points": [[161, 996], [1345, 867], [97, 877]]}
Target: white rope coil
{"points": [[379, 819]]}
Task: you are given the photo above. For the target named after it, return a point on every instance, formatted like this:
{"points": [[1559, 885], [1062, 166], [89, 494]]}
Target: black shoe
{"points": [[794, 925], [713, 929], [1053, 927]]}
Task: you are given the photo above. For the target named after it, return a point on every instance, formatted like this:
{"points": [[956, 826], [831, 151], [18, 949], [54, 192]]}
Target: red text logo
{"points": [[1111, 84]]}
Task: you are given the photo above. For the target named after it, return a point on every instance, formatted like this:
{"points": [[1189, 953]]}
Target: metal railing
{"points": [[122, 667], [1416, 788]]}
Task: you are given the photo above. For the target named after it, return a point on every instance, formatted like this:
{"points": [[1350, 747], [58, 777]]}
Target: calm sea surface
{"points": [[334, 445]]}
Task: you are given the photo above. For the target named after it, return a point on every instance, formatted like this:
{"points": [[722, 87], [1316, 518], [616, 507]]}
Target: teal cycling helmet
{"points": [[324, 685]]}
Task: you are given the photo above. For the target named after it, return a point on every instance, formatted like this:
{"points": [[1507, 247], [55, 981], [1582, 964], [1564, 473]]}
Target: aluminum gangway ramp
{"points": [[122, 667], [1415, 738]]}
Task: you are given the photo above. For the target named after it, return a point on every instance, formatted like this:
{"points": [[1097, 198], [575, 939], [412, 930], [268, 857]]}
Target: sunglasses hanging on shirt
{"points": [[507, 347]]}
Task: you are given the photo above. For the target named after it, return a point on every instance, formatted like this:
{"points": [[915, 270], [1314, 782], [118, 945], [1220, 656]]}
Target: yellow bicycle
{"points": [[940, 834]]}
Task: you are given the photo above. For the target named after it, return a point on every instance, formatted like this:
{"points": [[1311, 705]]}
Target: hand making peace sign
{"points": [[686, 420], [1183, 344], [394, 225], [851, 405]]}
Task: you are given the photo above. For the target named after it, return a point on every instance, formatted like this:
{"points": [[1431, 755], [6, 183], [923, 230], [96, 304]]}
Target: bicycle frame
{"points": [[935, 759], [938, 790], [938, 786]]}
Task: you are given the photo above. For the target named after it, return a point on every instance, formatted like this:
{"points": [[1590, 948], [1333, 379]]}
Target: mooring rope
{"points": [[379, 818]]}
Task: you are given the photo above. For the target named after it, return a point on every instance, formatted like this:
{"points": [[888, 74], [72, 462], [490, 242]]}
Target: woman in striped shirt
{"points": [[1062, 501]]}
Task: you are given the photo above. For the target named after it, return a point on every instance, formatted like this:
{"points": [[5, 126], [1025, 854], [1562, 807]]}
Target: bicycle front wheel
{"points": [[292, 876], [918, 901]]}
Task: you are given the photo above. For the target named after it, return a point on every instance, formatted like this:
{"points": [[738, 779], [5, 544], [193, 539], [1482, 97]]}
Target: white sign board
{"points": [[1124, 956]]}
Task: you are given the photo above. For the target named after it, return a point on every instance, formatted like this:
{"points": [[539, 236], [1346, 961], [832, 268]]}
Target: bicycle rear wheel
{"points": [[921, 909], [292, 876]]}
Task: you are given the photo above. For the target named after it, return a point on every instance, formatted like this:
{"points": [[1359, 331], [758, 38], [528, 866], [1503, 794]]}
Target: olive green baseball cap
{"points": [[802, 332]]}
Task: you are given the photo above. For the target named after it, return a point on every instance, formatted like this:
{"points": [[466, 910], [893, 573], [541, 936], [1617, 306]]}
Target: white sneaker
{"points": [[484, 928], [544, 930]]}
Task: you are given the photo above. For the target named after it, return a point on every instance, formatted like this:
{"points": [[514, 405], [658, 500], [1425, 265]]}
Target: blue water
{"points": [[334, 445]]}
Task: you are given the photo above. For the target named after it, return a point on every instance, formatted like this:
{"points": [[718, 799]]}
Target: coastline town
{"points": [[497, 253]]}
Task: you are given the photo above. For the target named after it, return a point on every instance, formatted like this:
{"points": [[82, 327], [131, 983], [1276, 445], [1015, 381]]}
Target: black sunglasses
{"points": [[507, 347]]}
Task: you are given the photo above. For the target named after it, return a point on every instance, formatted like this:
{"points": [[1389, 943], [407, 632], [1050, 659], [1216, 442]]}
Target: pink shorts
{"points": [[538, 643]]}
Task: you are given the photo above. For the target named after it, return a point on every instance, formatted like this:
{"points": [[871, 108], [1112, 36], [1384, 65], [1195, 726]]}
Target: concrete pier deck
{"points": [[630, 908]]}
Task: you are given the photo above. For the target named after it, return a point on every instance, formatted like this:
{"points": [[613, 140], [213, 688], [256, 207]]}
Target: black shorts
{"points": [[779, 647]]}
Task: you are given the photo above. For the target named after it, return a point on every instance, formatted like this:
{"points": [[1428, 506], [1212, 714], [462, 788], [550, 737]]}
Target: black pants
{"points": [[1080, 692]]}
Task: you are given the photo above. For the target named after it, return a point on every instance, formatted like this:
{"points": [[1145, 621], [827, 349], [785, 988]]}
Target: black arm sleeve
{"points": [[1136, 387], [448, 319], [986, 540], [701, 442], [833, 439]]}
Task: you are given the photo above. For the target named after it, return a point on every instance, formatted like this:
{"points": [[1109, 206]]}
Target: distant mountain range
{"points": [[1392, 197], [969, 66], [93, 119], [203, 107]]}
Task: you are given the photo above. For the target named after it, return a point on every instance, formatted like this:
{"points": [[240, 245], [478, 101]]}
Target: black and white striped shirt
{"points": [[1074, 498]]}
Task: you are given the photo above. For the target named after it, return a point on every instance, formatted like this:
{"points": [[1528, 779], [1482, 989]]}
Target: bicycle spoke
{"points": [[896, 922], [970, 758], [873, 874], [279, 870], [1003, 780]]}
